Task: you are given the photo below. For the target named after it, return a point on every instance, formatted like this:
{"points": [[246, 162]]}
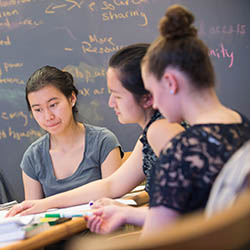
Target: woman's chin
{"points": [[121, 120]]}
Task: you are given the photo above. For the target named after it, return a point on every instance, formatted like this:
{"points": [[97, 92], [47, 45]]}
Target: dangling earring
{"points": [[73, 104], [171, 91]]}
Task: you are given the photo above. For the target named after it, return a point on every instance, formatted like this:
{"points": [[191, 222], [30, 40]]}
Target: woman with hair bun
{"points": [[70, 154], [179, 74], [177, 70]]}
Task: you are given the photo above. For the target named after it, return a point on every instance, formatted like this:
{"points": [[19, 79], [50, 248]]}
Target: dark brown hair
{"points": [[178, 46], [127, 61], [53, 76]]}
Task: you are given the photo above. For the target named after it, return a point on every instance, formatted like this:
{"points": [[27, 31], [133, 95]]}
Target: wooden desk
{"points": [[53, 235], [64, 230], [141, 198]]}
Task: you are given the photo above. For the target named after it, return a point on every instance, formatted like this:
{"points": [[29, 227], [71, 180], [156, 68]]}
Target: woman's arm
{"points": [[157, 218], [141, 198], [109, 218], [128, 176], [111, 163], [32, 188]]}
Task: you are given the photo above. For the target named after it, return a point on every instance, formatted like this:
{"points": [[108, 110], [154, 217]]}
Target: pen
{"points": [[91, 203], [63, 215], [52, 216]]}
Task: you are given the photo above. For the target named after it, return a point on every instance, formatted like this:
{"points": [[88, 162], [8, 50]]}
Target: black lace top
{"points": [[149, 157], [185, 171]]}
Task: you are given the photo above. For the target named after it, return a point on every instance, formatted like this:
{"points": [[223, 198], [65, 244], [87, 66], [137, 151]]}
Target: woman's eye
{"points": [[53, 105], [37, 110]]}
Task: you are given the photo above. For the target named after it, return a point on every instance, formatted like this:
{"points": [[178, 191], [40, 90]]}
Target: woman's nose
{"points": [[49, 115], [111, 101]]}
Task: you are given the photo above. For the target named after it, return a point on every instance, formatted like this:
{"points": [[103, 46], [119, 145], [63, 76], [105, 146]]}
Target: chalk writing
{"points": [[111, 10], [13, 2], [7, 23], [222, 53], [10, 24], [68, 49], [84, 91], [2, 134], [239, 29], [229, 29], [91, 6], [8, 66], [93, 38], [110, 16], [88, 47], [14, 115], [89, 92], [9, 13], [26, 22], [86, 72], [111, 5], [100, 91], [5, 42], [68, 5], [11, 133], [89, 74], [11, 80], [24, 134]]}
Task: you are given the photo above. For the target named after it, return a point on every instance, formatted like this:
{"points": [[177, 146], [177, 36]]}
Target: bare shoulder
{"points": [[161, 132], [163, 127]]}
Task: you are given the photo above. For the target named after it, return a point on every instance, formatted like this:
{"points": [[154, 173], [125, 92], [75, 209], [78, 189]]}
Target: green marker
{"points": [[52, 216], [63, 215]]}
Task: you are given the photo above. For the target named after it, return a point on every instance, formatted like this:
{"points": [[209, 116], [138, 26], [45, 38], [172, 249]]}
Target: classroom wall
{"points": [[80, 36]]}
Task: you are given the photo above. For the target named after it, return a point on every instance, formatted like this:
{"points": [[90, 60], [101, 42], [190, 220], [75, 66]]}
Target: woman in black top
{"points": [[178, 72]]}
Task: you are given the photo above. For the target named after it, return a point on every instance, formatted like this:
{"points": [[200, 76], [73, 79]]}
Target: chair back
{"points": [[5, 194], [232, 179]]}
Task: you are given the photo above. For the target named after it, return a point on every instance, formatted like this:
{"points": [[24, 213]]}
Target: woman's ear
{"points": [[147, 101], [171, 83], [73, 99]]}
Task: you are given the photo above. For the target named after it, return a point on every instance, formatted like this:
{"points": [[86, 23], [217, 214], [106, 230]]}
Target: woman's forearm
{"points": [[91, 191], [135, 215]]}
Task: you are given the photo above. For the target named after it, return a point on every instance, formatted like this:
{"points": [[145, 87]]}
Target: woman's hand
{"points": [[106, 219], [27, 207], [105, 202]]}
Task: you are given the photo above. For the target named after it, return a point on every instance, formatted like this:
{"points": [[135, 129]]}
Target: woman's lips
{"points": [[52, 125]]}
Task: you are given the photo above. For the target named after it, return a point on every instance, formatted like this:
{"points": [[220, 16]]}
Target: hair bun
{"points": [[177, 23]]}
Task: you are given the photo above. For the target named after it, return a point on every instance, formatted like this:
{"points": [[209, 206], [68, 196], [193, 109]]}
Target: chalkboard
{"points": [[80, 36]]}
